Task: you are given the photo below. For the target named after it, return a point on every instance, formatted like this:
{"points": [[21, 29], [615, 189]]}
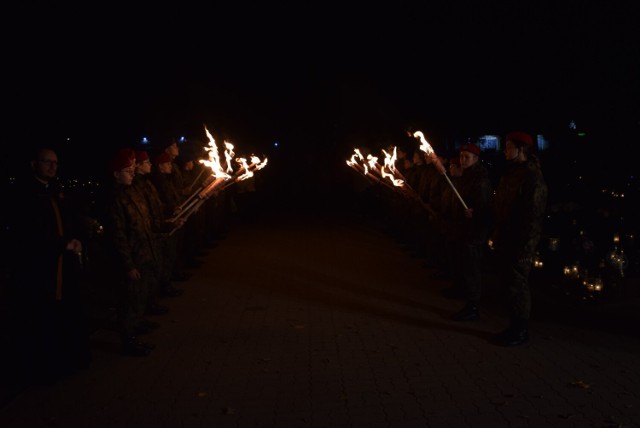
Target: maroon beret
{"points": [[471, 148], [141, 156], [124, 158], [520, 137], [163, 157]]}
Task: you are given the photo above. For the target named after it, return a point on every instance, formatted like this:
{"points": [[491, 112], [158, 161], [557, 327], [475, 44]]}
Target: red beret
{"points": [[167, 143], [141, 156], [163, 157], [520, 137], [124, 158], [471, 148]]}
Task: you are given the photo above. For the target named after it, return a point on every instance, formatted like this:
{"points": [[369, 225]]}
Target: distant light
{"points": [[145, 140], [276, 143], [572, 125], [182, 139], [581, 134]]}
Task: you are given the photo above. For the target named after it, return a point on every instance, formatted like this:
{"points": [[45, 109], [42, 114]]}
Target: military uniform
{"points": [[519, 205], [145, 191], [132, 238], [171, 197], [470, 234]]}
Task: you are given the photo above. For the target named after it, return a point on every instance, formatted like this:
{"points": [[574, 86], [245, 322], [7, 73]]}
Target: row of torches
{"points": [[220, 178], [387, 175]]}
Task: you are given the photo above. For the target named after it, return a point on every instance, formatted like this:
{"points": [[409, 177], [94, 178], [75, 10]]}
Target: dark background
{"points": [[317, 79]]}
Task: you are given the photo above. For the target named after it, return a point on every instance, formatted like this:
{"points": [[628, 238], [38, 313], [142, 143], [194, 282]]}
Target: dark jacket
{"points": [[519, 204]]}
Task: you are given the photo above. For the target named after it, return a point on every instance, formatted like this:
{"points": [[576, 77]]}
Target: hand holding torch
{"points": [[426, 147]]}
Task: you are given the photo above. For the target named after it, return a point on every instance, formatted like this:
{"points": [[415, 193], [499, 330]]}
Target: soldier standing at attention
{"points": [[132, 239], [475, 189], [519, 204]]}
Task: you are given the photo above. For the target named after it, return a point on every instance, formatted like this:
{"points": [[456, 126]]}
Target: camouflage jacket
{"points": [[129, 229], [474, 186], [169, 194], [147, 190], [519, 204]]}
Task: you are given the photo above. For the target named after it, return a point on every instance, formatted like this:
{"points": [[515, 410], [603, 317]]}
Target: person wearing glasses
{"points": [[51, 331]]}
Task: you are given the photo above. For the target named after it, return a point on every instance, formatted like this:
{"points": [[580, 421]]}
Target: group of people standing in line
{"points": [[143, 250], [145, 236], [469, 217]]}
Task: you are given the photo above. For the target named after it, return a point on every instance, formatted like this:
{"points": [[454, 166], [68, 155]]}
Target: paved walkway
{"points": [[323, 321]]}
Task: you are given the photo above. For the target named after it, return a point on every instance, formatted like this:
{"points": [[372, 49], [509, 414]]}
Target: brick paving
{"points": [[311, 321]]}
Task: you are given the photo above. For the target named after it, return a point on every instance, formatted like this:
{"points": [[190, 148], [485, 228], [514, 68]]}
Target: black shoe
{"points": [[512, 336], [170, 292], [453, 293], [179, 276], [156, 309], [194, 264], [146, 327], [468, 313], [440, 275], [135, 348]]}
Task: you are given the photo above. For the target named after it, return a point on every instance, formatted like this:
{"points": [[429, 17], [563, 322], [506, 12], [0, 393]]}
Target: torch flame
{"points": [[390, 164], [228, 154], [424, 146], [214, 158]]}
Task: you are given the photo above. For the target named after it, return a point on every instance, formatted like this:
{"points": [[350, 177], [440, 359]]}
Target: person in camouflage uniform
{"points": [[445, 224], [171, 198], [432, 184], [472, 227], [160, 223], [131, 238], [519, 204]]}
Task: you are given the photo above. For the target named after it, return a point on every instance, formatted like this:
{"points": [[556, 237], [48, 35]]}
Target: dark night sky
{"points": [[308, 75]]}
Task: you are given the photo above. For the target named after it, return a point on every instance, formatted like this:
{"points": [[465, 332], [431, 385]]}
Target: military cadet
{"points": [[160, 223], [472, 224], [519, 204], [172, 199], [132, 240], [448, 228]]}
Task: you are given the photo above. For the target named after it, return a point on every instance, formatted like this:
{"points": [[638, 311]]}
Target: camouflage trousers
{"points": [[132, 301], [514, 280]]}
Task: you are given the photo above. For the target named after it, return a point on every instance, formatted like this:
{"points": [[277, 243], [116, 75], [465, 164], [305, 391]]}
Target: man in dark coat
{"points": [[52, 335]]}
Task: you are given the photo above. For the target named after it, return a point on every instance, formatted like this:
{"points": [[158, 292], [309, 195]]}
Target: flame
{"points": [[390, 160], [358, 160], [228, 154], [424, 146], [247, 170], [390, 164], [214, 158], [373, 162], [259, 164]]}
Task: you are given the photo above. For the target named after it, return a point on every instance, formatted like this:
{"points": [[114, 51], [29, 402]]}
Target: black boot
{"points": [[516, 334], [156, 309], [132, 346], [468, 313], [168, 290]]}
